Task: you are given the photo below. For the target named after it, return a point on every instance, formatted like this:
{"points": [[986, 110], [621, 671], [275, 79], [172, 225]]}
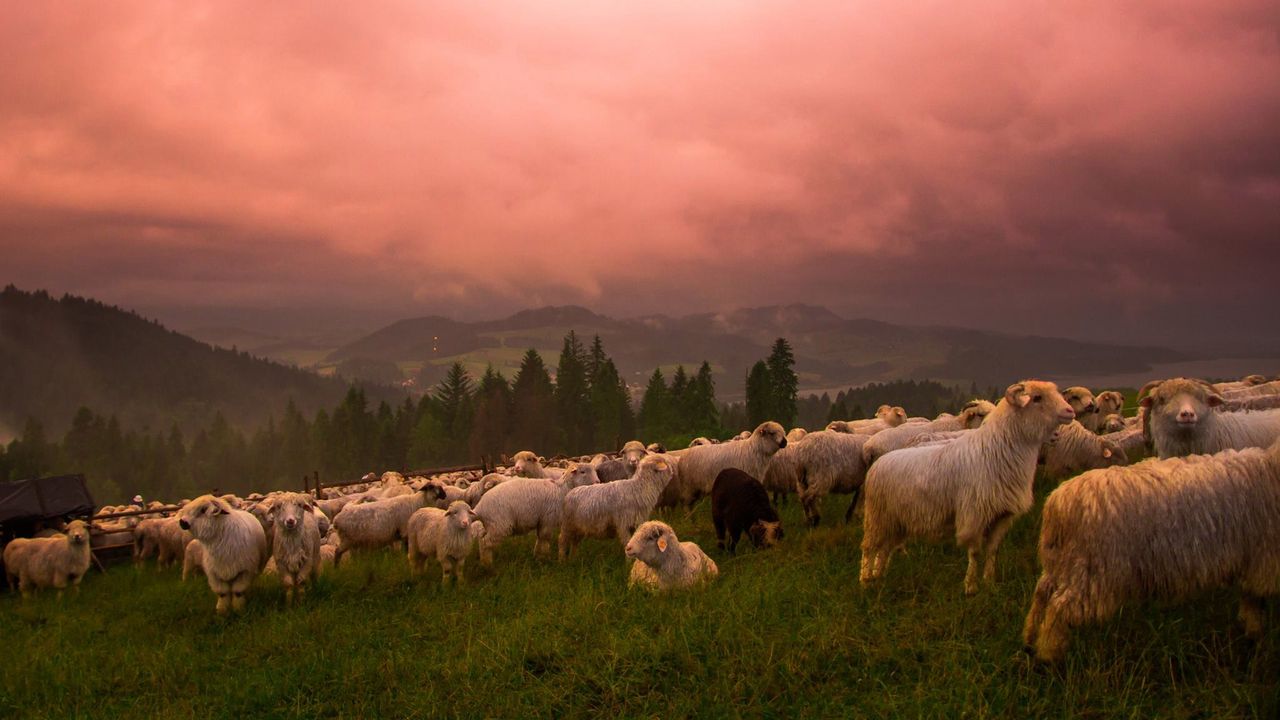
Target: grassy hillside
{"points": [[783, 633]]}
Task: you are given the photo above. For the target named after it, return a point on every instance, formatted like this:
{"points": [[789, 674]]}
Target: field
{"points": [[783, 633]]}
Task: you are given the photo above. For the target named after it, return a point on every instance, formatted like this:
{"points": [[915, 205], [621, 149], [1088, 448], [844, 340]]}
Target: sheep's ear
{"points": [[662, 544], [1017, 395], [968, 405], [1214, 400], [1147, 401], [1106, 452]]}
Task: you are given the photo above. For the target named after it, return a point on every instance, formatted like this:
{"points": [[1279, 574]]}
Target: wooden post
{"points": [[317, 483]]}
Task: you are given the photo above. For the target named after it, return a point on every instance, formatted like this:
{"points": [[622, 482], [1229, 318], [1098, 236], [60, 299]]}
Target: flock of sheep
{"points": [[1204, 513]]}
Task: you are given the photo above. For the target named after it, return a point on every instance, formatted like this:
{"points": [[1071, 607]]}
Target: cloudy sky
{"points": [[1062, 168]]}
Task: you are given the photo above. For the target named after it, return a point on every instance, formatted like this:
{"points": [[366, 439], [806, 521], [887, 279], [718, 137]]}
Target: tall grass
{"points": [[782, 633]]}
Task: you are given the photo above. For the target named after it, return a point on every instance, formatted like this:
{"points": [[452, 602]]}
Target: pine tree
{"points": [[759, 395], [492, 423], [703, 414], [678, 402], [533, 406], [453, 398], [653, 419], [784, 385], [573, 395]]}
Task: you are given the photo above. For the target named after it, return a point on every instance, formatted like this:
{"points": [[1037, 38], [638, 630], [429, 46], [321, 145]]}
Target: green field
{"points": [[782, 633]]}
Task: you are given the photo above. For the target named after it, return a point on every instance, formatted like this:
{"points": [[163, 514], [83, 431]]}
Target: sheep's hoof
{"points": [[970, 589]]}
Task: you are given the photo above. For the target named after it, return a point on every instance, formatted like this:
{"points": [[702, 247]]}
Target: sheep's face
{"points": [[1113, 423], [657, 465], [974, 412], [891, 416], [1040, 404], [699, 441], [289, 512], [262, 511], [77, 532], [1080, 399], [579, 475], [771, 433], [459, 516], [651, 542], [765, 534], [656, 448], [525, 463], [1110, 454], [200, 512], [1181, 403], [1110, 403], [432, 492], [840, 426], [632, 453]]}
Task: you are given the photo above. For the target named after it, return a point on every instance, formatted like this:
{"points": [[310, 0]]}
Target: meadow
{"points": [[783, 633]]}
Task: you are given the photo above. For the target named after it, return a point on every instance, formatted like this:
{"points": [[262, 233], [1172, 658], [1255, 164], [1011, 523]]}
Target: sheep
{"points": [[977, 484], [740, 503], [1160, 529], [1251, 391], [828, 462], [613, 509], [656, 449], [886, 417], [699, 442], [662, 562], [782, 476], [1113, 423], [477, 489], [192, 559], [1075, 449], [971, 416], [1130, 440], [1247, 381], [296, 544], [163, 537], [1183, 421], [529, 465], [1110, 402], [1258, 402], [382, 522], [522, 505], [446, 535], [58, 561], [698, 467], [1085, 405], [234, 548]]}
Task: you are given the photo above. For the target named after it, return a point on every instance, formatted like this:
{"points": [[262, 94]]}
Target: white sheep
{"points": [[613, 509], [523, 505], [380, 523], [1113, 423], [446, 535], [1085, 405], [58, 561], [234, 548], [886, 441], [162, 537], [296, 544], [827, 462], [698, 467], [976, 484], [1160, 529], [192, 559], [886, 417], [662, 562], [1074, 449], [1183, 421], [796, 434], [527, 464], [1110, 402]]}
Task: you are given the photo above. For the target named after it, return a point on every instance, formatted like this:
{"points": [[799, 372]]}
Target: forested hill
{"points": [[57, 355]]}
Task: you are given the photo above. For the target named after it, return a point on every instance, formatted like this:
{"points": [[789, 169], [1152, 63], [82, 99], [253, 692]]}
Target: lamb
{"points": [[662, 562], [192, 559], [522, 505], [446, 535], [234, 548], [971, 416], [529, 465], [828, 462], [977, 484], [613, 509], [1085, 405], [1113, 423], [740, 503], [58, 561], [1183, 421], [382, 522], [1110, 402], [162, 537], [1160, 529], [1075, 449], [296, 545], [699, 466]]}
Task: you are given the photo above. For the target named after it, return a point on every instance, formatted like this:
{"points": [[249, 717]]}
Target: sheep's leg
{"points": [[224, 603], [848, 514], [337, 555], [238, 588], [994, 536], [446, 568], [1252, 614], [566, 543], [486, 549], [719, 523], [735, 536], [971, 575], [1051, 645], [1035, 616], [415, 560], [287, 581], [457, 571]]}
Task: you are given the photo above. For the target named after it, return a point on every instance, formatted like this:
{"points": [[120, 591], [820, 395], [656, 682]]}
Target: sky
{"points": [[1078, 169]]}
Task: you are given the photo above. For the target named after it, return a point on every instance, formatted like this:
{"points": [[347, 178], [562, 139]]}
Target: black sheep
{"points": [[739, 503]]}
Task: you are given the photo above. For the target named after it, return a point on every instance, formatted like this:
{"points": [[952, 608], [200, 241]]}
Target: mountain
{"points": [[831, 351], [57, 354]]}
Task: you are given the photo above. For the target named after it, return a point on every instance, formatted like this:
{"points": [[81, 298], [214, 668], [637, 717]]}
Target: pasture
{"points": [[782, 633]]}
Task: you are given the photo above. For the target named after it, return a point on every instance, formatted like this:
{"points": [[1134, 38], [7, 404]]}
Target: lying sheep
{"points": [[234, 548], [1183, 421], [1160, 529], [1085, 405], [971, 416], [739, 503], [522, 505], [58, 561], [698, 467], [446, 535], [662, 562], [1074, 449], [296, 544], [192, 559], [1113, 423], [382, 522], [613, 509], [976, 484]]}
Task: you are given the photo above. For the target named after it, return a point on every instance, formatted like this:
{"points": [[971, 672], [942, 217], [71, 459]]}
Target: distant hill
{"points": [[57, 354], [831, 352]]}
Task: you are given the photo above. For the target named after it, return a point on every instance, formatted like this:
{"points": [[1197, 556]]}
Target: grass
{"points": [[782, 633]]}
